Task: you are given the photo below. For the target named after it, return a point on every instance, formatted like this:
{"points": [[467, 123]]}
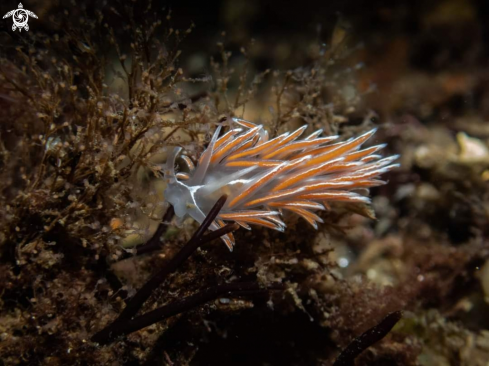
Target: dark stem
{"points": [[118, 328], [219, 232], [145, 292], [155, 242], [367, 339]]}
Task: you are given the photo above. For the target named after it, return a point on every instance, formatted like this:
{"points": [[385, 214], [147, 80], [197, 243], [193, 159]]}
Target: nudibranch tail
{"points": [[264, 177]]}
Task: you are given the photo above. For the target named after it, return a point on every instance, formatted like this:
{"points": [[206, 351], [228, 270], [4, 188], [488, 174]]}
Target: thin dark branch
{"points": [[145, 292], [367, 339], [155, 242], [116, 285], [193, 99], [219, 232], [171, 133], [124, 324], [118, 328]]}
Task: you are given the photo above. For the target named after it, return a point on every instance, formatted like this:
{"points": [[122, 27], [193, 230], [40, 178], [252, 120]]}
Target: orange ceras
{"points": [[263, 177]]}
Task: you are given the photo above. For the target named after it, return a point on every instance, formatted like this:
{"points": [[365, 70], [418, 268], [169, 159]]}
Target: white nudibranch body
{"points": [[263, 177]]}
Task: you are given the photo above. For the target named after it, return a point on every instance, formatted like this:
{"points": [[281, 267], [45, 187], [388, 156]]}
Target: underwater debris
{"points": [[264, 177]]}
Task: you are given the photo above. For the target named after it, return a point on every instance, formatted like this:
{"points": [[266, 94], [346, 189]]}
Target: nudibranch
{"points": [[263, 177]]}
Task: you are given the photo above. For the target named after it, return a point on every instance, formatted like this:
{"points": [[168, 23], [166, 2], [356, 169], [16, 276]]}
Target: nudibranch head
{"points": [[262, 176]]}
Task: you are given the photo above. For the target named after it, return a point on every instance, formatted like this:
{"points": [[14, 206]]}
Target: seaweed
{"points": [[367, 339], [95, 95]]}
